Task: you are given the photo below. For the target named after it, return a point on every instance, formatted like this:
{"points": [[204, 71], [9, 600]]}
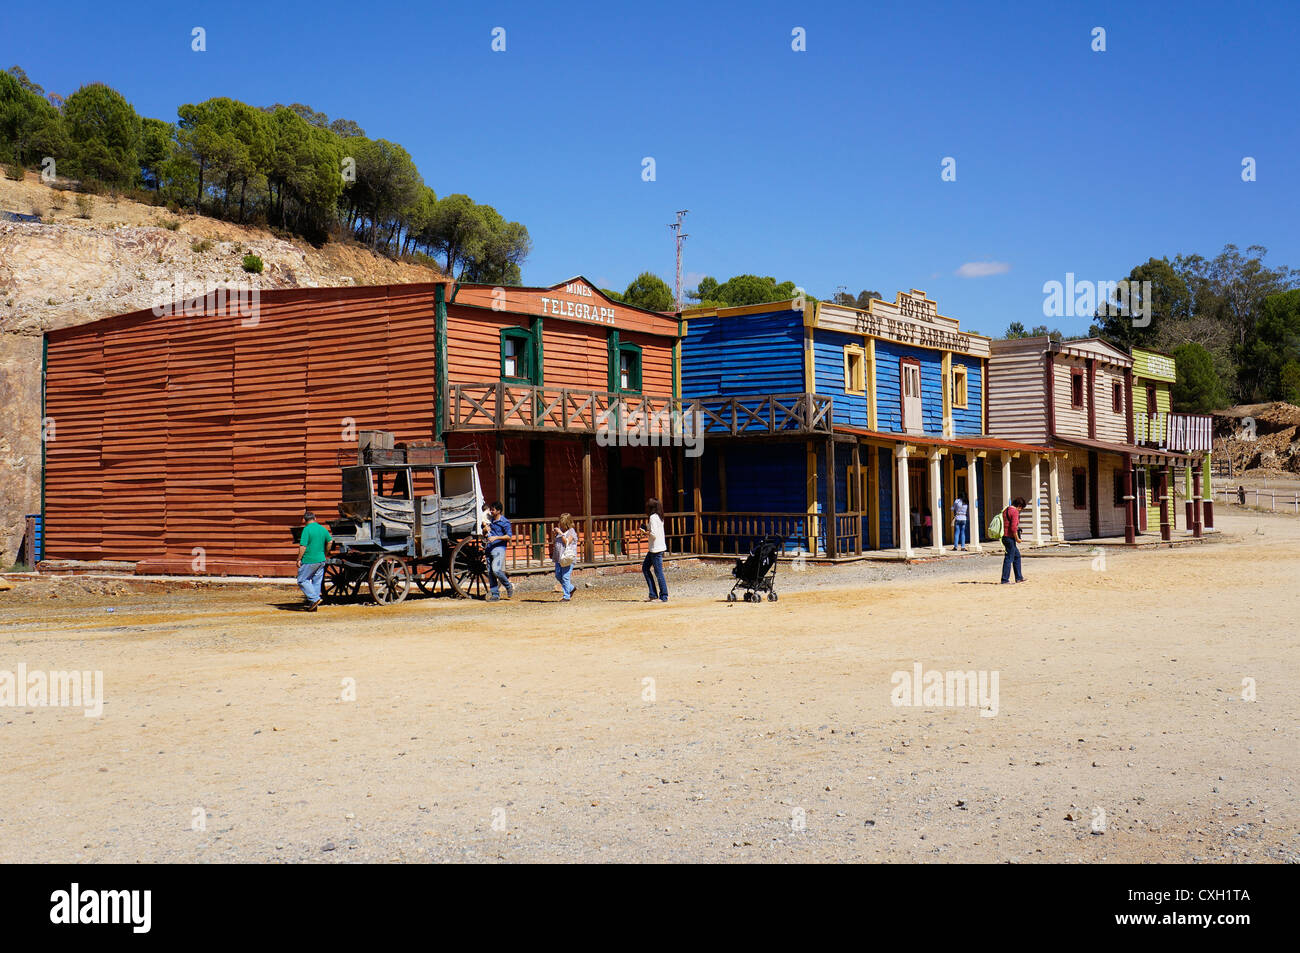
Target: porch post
{"points": [[1207, 502], [1035, 476], [588, 542], [1006, 479], [1187, 495], [832, 524], [1197, 526], [904, 505], [1054, 503], [659, 477], [936, 492], [857, 494], [501, 466], [697, 501], [1165, 508], [1130, 504], [974, 528]]}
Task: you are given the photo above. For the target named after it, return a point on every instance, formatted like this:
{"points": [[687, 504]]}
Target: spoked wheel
{"points": [[469, 569], [771, 596], [731, 596], [390, 580], [340, 584], [434, 577]]}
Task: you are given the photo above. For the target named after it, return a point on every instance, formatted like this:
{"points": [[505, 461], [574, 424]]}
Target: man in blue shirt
{"points": [[495, 539]]}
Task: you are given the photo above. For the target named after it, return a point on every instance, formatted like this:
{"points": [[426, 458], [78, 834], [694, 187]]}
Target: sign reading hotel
{"points": [[911, 318]]}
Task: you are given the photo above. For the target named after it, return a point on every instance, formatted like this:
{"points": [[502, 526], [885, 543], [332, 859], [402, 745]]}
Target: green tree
{"points": [[1170, 300], [1266, 371], [650, 292], [1197, 388], [156, 143], [30, 128], [1016, 329], [104, 134], [503, 249]]}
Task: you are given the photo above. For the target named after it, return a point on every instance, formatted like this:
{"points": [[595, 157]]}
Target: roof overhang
{"points": [[1143, 456]]}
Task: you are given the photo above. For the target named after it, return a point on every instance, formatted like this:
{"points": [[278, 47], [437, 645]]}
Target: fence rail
{"points": [[1287, 501]]}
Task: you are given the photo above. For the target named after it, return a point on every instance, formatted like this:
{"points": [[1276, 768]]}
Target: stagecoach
{"points": [[407, 516]]}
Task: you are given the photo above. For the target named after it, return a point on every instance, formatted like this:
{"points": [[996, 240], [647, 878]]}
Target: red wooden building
{"points": [[191, 440]]}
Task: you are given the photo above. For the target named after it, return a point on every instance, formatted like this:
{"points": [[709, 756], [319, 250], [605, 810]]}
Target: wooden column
{"points": [[904, 505], [1056, 517], [936, 491], [1207, 502], [698, 505], [659, 478], [1035, 476], [1092, 398], [501, 467], [832, 524], [975, 529], [1130, 504], [810, 496], [1187, 495], [588, 541], [1006, 479], [1197, 524], [1165, 509], [858, 494]]}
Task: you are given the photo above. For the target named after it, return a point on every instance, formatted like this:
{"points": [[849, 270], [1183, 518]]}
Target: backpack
{"points": [[995, 525]]}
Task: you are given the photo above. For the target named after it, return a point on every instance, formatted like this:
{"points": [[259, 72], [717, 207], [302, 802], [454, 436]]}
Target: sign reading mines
{"points": [[582, 310]]}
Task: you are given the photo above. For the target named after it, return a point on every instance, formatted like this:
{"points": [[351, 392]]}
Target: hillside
{"points": [[1263, 437], [67, 270]]}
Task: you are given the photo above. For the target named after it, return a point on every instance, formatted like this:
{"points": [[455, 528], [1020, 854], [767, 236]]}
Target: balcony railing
{"points": [[501, 405], [1181, 433]]}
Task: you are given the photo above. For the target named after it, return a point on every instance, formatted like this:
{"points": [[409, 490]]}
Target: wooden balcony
{"points": [[501, 405], [1180, 433]]}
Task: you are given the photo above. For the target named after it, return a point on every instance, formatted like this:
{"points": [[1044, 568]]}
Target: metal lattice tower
{"points": [[678, 239]]}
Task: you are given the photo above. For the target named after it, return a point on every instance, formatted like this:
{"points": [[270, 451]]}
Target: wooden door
{"points": [[909, 377]]}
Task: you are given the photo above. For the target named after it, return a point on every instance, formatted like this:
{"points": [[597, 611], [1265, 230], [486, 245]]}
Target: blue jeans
{"points": [[655, 561], [564, 576], [310, 576], [497, 570], [959, 537], [1012, 558]]}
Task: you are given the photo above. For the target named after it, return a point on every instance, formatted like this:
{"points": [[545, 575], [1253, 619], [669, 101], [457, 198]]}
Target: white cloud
{"points": [[982, 269]]}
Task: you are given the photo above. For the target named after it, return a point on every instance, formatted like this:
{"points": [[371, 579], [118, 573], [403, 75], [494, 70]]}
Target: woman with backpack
{"points": [[1007, 525], [564, 552]]}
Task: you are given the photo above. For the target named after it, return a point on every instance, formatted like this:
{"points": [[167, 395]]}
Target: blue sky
{"points": [[821, 167]]}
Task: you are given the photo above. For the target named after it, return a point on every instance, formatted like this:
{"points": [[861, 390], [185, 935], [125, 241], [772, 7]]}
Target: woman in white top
{"points": [[654, 558], [959, 525], [564, 553]]}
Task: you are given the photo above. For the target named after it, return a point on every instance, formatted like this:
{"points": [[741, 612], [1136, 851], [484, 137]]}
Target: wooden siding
{"points": [[969, 420], [1070, 421], [889, 411], [828, 364], [1111, 426], [1017, 405], [743, 354]]}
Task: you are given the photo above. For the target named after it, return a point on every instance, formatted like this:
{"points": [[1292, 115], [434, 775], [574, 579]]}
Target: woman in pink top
{"points": [[1010, 537]]}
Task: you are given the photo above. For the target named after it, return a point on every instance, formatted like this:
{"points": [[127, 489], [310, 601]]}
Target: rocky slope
{"points": [[68, 269]]}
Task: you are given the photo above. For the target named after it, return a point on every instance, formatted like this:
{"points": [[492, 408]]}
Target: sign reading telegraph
{"points": [[581, 310]]}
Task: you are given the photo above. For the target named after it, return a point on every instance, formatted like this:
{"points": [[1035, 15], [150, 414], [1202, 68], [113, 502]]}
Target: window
{"points": [[1076, 387], [517, 362], [1117, 397], [855, 370], [1080, 488], [959, 386], [629, 367], [1119, 488]]}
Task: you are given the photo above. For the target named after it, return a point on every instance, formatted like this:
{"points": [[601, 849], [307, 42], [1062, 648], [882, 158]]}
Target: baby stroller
{"points": [[756, 573]]}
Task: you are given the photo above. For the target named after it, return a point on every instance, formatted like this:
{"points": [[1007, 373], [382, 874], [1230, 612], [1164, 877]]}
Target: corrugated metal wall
{"points": [[196, 431]]}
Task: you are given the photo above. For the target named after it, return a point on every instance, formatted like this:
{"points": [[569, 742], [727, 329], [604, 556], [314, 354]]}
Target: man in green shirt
{"points": [[311, 558]]}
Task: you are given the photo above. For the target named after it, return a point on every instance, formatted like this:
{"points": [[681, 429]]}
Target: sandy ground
{"points": [[527, 730]]}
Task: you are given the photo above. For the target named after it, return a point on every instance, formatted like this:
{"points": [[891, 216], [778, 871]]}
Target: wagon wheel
{"points": [[340, 584], [434, 577], [390, 580], [469, 569]]}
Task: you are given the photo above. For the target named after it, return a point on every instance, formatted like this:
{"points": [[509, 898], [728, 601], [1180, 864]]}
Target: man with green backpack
{"points": [[1007, 526]]}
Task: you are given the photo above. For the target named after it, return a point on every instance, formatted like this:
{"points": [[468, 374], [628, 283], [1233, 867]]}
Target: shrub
{"points": [[84, 206], [171, 224], [252, 263], [200, 246]]}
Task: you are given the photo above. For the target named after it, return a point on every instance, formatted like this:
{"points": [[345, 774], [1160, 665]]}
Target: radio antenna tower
{"points": [[679, 238]]}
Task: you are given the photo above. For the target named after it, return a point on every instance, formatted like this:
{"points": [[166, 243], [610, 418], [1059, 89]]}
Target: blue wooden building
{"points": [[840, 428]]}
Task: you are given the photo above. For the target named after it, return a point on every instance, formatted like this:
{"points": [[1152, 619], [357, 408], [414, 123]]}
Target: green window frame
{"points": [[628, 369], [519, 355]]}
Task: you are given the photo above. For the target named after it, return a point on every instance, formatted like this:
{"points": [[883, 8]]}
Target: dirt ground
{"points": [[615, 730]]}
